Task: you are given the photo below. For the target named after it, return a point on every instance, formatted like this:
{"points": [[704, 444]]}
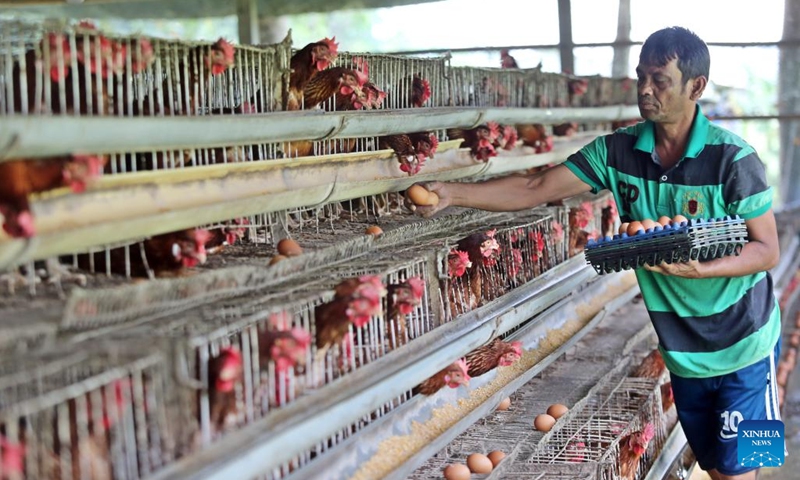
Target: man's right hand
{"points": [[440, 189]]}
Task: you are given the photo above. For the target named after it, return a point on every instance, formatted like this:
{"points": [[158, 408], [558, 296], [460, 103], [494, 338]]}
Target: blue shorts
{"points": [[710, 410]]}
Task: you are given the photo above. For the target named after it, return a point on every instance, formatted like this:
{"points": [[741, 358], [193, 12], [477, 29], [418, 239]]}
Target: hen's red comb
{"points": [[202, 236], [87, 25], [434, 143], [333, 47], [225, 47], [361, 77], [494, 129], [426, 91]]}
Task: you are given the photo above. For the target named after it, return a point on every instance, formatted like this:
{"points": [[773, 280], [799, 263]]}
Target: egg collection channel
{"points": [[482, 464]]}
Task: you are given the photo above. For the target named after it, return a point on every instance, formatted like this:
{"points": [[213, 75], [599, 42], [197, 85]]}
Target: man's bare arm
{"points": [[508, 193]]}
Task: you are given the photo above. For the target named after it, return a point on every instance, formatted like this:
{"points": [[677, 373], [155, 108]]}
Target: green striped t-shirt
{"points": [[710, 326]]}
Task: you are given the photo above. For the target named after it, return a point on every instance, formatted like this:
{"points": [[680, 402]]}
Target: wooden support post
{"points": [[619, 67], [247, 13], [565, 36], [789, 103]]}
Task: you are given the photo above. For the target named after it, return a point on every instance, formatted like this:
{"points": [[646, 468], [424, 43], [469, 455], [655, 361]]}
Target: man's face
{"points": [[664, 95]]}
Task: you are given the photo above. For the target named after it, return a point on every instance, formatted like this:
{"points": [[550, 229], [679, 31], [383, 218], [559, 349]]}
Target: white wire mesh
{"points": [[97, 411]]}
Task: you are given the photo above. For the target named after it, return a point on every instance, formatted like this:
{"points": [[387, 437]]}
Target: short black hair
{"points": [[677, 42]]}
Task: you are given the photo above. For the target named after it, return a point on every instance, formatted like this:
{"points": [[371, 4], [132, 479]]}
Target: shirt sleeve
{"points": [[745, 190], [589, 163]]}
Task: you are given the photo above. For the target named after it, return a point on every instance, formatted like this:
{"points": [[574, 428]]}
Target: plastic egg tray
{"points": [[696, 239]]}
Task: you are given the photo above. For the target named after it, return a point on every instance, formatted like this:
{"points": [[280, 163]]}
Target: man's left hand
{"points": [[690, 269]]}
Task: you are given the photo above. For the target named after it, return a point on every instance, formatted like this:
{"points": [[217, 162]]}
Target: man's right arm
{"points": [[508, 193]]}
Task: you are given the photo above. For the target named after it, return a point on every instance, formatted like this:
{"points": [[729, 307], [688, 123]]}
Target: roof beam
{"points": [[565, 36], [247, 14]]}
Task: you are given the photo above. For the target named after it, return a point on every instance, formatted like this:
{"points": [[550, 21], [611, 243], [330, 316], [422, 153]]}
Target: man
{"points": [[717, 322]]}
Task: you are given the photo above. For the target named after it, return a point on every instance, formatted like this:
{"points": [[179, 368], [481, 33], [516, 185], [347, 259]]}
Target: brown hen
{"points": [[305, 63], [631, 449], [453, 376], [224, 372], [480, 141], [495, 354], [334, 81], [652, 366], [404, 150], [166, 254], [401, 300]]}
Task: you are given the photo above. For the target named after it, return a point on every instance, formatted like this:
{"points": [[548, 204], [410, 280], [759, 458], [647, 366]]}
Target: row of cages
{"points": [[137, 395], [255, 240], [55, 69], [615, 431], [77, 71]]}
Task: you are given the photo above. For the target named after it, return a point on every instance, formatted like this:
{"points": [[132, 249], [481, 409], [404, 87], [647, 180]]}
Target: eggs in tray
{"points": [[670, 240]]}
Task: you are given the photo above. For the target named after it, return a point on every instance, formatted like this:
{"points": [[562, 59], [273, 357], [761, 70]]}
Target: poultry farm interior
{"points": [[196, 294]]}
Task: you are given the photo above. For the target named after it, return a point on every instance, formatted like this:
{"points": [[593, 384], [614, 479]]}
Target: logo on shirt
{"points": [[694, 203], [761, 443], [627, 194]]}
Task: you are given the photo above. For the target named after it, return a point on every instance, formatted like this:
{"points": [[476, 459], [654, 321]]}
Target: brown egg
{"points": [[276, 259], [433, 199], [624, 228], [457, 471], [479, 463], [556, 410], [544, 422], [496, 456], [289, 247], [374, 230], [647, 224], [664, 220], [634, 228], [504, 404], [419, 195], [678, 219]]}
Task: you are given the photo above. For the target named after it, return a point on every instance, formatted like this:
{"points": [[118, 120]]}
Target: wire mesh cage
{"points": [[53, 68], [554, 90], [94, 412], [338, 439], [618, 91], [406, 308], [408, 82], [502, 255], [96, 309], [491, 87], [289, 340], [558, 230], [235, 360], [614, 433], [590, 217]]}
